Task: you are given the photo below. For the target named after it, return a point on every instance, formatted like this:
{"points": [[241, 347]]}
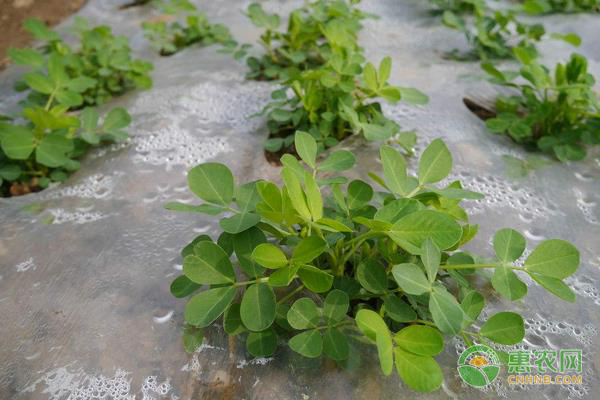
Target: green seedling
{"points": [[189, 27], [323, 264], [560, 6], [491, 34], [457, 6], [100, 68], [312, 31], [557, 113], [335, 101], [55, 127]]}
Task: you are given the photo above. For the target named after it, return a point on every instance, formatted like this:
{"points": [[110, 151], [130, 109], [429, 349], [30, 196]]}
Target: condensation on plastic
{"points": [[85, 267]]}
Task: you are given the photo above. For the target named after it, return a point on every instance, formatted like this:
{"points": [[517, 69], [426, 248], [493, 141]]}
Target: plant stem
{"points": [[415, 191], [364, 236], [290, 294], [258, 280], [49, 102], [479, 266], [420, 321]]}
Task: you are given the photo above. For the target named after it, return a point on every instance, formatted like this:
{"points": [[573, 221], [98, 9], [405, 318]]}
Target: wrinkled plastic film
{"points": [[85, 266]]}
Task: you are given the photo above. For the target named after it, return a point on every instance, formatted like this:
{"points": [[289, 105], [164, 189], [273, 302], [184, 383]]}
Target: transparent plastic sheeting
{"points": [[85, 267]]}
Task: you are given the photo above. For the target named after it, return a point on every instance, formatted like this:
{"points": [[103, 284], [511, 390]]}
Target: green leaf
{"points": [[83, 83], [39, 29], [413, 96], [335, 344], [247, 197], [39, 83], [258, 307], [189, 248], [262, 344], [385, 68], [370, 324], [372, 276], [359, 194], [17, 142], [182, 286], [422, 374], [239, 222], [498, 125], [68, 98], [119, 118], [232, 320], [340, 160], [212, 182], [508, 284], [244, 244], [373, 327], [555, 286], [192, 338], [493, 71], [334, 225], [376, 132], [394, 170], [445, 311], [398, 310], [385, 350], [283, 276], [570, 38], [314, 279], [508, 244], [418, 226], [308, 249], [420, 339], [472, 305], [297, 197], [26, 56], [200, 208], [431, 258], [313, 197], [396, 209], [306, 147], [269, 256], [309, 343], [370, 77], [411, 279], [435, 163], [553, 258], [209, 265], [10, 172], [336, 305], [52, 150], [89, 124], [523, 55], [303, 314], [205, 307], [504, 328], [456, 193]]}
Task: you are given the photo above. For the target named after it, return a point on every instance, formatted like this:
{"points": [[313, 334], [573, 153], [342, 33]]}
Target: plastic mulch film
{"points": [[85, 267]]}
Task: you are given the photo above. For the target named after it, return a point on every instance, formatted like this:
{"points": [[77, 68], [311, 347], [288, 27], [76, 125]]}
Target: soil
{"points": [[479, 110], [14, 12]]}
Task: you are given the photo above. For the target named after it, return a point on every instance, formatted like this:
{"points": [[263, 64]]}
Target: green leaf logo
{"points": [[479, 365]]}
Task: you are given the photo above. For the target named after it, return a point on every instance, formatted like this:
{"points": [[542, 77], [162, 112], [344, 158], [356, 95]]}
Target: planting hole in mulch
{"points": [[481, 111]]}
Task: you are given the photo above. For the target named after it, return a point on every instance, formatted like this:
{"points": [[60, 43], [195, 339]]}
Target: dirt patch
{"points": [[478, 109], [14, 12]]}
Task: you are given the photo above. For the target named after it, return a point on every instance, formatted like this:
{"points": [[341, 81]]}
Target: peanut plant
{"points": [[320, 264]]}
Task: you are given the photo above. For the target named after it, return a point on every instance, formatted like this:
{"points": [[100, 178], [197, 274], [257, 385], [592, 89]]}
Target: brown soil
{"points": [[14, 12], [479, 110]]}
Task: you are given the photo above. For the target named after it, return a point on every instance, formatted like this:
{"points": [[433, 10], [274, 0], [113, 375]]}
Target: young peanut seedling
{"points": [[320, 263]]}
